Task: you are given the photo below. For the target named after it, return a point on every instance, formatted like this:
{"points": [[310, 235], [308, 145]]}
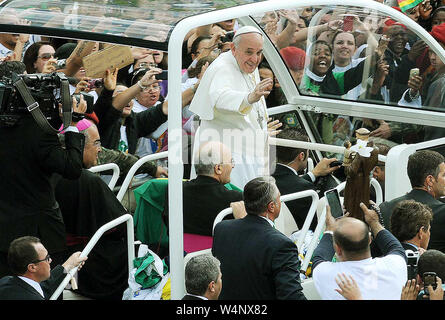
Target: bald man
{"points": [[206, 195], [349, 239]]}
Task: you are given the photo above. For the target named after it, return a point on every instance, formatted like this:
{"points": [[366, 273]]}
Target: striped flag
{"points": [[408, 4]]}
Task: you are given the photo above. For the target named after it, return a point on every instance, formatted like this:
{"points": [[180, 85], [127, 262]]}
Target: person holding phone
{"points": [[428, 283], [379, 278], [290, 161]]}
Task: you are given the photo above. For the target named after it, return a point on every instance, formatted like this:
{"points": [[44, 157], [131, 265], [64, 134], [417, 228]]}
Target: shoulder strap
{"points": [[33, 106]]}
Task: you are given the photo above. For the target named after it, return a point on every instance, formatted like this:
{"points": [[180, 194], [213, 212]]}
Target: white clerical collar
{"points": [[194, 295], [313, 76], [33, 284]]}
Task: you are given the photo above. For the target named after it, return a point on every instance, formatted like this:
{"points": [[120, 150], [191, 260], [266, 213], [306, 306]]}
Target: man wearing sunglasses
{"points": [[33, 278]]}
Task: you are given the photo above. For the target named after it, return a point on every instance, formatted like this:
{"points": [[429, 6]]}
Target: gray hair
{"points": [[209, 155], [258, 193], [199, 272]]}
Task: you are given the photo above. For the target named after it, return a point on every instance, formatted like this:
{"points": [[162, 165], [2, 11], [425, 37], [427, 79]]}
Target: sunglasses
{"points": [[46, 56]]}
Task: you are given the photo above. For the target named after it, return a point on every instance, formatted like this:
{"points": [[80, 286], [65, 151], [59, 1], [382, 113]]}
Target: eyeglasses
{"points": [[152, 88], [46, 56], [47, 259]]}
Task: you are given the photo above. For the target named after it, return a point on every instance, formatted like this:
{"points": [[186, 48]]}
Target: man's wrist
{"points": [[141, 86], [376, 227]]}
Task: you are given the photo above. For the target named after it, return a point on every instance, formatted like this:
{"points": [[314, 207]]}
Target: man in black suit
{"points": [[411, 224], [203, 278], [29, 157], [33, 278], [290, 161], [426, 172], [258, 262], [205, 196]]}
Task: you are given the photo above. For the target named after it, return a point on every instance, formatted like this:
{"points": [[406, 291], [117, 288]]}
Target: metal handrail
{"points": [[130, 243], [135, 167], [105, 167], [322, 219], [312, 146], [374, 183], [285, 198]]}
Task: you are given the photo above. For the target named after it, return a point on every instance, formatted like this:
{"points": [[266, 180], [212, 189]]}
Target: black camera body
{"points": [[228, 37], [89, 99], [412, 258], [42, 87]]}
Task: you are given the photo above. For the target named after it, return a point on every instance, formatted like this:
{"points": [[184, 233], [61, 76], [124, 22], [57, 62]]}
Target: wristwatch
{"points": [[141, 85]]}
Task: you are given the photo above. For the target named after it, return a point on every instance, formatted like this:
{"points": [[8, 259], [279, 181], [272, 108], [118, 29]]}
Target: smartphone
{"points": [[414, 72], [334, 202], [429, 278], [163, 75], [348, 22], [335, 163]]}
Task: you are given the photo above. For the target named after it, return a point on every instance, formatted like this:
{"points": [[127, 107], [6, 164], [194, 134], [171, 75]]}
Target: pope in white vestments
{"points": [[232, 109]]}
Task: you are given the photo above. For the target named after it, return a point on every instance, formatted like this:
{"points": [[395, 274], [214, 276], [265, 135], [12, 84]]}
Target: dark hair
{"points": [[137, 75], [352, 246], [9, 67], [194, 72], [318, 42], [288, 154], [21, 253], [432, 261], [383, 150], [264, 64], [196, 42], [339, 32], [436, 11], [258, 193], [32, 53], [408, 217], [422, 164]]}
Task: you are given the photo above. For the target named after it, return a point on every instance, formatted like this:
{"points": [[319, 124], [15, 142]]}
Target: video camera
{"points": [[38, 94]]}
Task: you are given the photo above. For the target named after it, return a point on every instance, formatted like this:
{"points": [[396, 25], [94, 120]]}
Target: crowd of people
{"points": [[227, 88]]}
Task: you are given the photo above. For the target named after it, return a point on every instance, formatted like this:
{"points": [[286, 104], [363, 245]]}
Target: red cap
{"points": [[294, 57], [390, 23], [438, 33]]}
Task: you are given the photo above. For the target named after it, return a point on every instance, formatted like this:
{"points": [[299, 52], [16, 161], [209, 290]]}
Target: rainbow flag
{"points": [[408, 4]]}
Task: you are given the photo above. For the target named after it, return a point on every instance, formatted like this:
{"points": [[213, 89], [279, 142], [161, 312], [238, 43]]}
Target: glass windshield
{"points": [[358, 54], [149, 20]]}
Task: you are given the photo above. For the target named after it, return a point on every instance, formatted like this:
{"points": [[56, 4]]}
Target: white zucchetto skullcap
{"points": [[246, 29]]}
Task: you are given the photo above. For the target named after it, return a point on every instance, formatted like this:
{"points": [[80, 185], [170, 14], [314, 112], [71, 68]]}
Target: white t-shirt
{"points": [[378, 279]]}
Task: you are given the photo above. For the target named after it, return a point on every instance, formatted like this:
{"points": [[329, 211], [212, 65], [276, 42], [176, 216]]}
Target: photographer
{"points": [[29, 158], [428, 282]]}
